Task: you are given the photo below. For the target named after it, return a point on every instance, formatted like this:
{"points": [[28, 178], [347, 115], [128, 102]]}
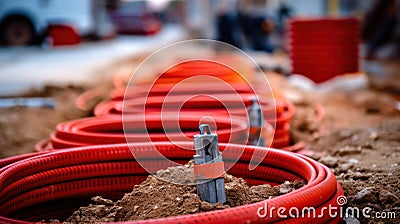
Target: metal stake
{"points": [[255, 123], [209, 167]]}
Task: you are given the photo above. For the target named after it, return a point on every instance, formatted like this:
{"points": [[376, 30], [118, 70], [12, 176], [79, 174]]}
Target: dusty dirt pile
{"points": [[305, 125], [366, 163], [22, 127], [156, 198], [359, 139]]}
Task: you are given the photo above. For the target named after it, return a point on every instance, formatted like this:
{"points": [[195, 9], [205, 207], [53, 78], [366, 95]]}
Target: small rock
{"points": [[367, 194], [387, 197], [285, 188], [373, 135], [394, 165], [349, 150], [220, 206], [343, 168], [329, 161], [194, 210], [205, 206], [98, 200], [368, 145], [353, 160], [354, 138], [135, 208], [361, 176]]}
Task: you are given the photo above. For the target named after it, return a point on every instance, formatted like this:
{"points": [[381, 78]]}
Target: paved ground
{"points": [[22, 68]]}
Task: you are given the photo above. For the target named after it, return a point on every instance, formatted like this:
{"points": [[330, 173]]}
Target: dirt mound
{"points": [[22, 127], [366, 164], [156, 198]]}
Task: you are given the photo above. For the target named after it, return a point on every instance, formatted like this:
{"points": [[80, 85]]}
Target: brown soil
{"points": [[359, 138], [22, 127], [156, 198], [366, 163]]}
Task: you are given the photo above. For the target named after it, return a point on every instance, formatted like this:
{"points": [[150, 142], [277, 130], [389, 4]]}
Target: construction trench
{"points": [[121, 151]]}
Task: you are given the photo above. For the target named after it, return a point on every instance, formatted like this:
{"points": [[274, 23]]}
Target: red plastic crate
{"points": [[63, 34], [321, 49]]}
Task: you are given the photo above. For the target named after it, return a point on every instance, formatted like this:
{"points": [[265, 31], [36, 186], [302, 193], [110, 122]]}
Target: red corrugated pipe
{"points": [[94, 170], [110, 130]]}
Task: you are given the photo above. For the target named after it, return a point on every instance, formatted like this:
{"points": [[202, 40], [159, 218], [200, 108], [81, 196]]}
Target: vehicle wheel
{"points": [[18, 31]]}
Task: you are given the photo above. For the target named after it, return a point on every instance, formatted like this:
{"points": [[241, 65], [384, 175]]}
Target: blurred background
{"points": [[333, 67], [232, 21], [58, 41]]}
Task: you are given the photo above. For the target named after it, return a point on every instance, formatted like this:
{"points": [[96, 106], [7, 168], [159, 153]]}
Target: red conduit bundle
{"points": [[154, 98], [29, 185], [199, 76], [168, 88], [196, 68], [321, 49], [207, 105], [110, 130], [235, 104]]}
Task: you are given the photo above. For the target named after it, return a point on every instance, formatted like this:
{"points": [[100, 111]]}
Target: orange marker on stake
{"points": [[209, 167]]}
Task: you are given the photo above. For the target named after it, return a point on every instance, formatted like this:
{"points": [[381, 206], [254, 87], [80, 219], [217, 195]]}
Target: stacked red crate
{"points": [[321, 49]]}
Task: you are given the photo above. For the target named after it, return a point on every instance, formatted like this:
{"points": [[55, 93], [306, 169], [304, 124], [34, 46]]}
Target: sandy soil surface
{"points": [[358, 136], [22, 127], [356, 133], [156, 198]]}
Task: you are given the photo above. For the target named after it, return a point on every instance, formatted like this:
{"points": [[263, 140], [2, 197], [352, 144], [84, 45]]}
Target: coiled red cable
{"points": [[110, 130], [94, 170], [235, 104], [196, 68], [203, 106], [168, 88]]}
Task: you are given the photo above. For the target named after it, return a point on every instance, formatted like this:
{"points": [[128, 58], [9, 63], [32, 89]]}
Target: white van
{"points": [[24, 22]]}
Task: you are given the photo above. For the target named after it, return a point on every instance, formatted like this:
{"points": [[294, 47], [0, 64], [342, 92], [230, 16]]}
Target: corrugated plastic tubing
{"points": [[189, 69], [234, 104], [197, 68], [281, 135], [97, 170], [181, 89], [284, 109], [109, 130], [284, 112]]}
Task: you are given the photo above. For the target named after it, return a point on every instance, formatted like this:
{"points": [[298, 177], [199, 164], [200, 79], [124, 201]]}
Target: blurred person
{"points": [[283, 13], [255, 25], [380, 26], [227, 24]]}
